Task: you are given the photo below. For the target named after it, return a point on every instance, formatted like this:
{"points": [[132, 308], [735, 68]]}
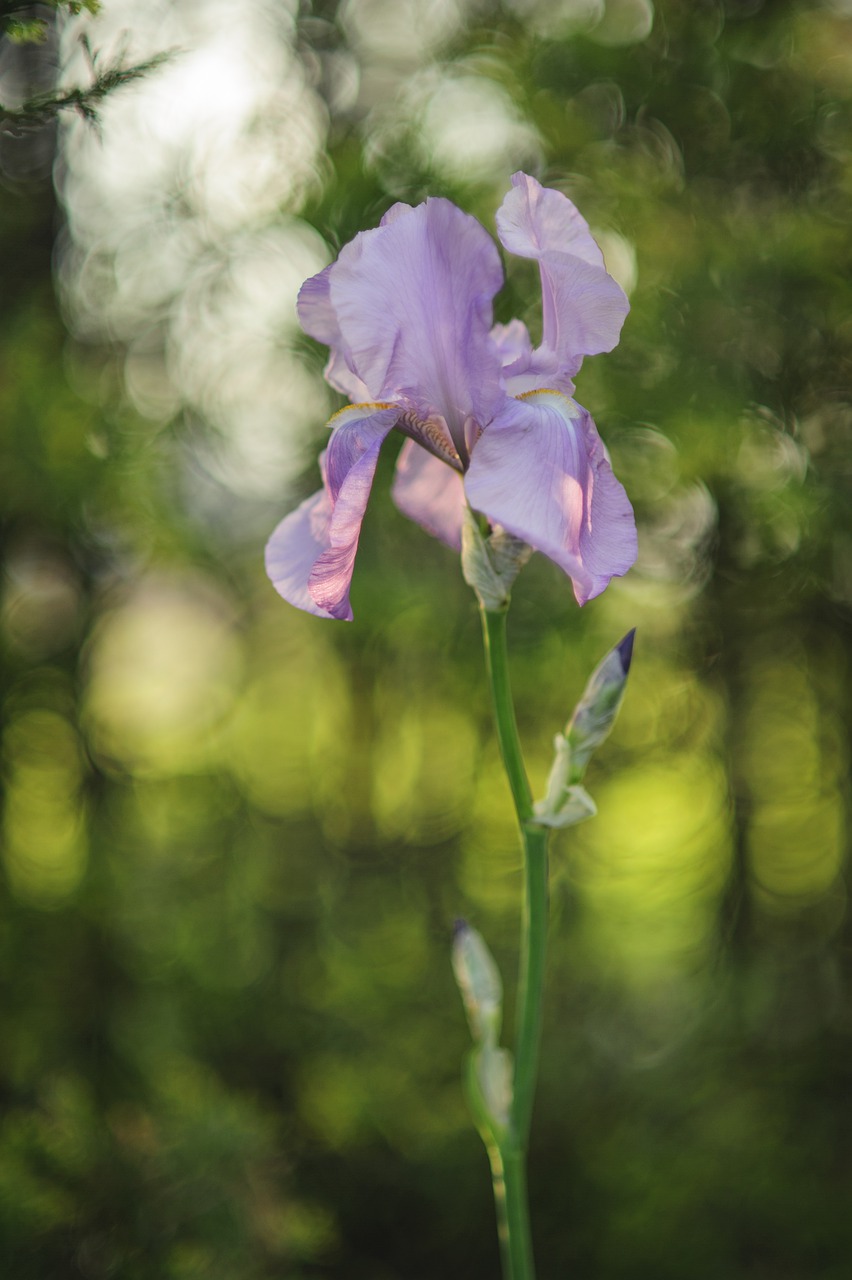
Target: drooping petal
{"points": [[294, 548], [353, 451], [583, 307], [430, 493], [541, 471], [412, 300], [311, 554]]}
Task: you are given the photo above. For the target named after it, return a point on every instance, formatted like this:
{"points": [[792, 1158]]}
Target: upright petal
{"points": [[316, 314], [311, 554], [412, 300], [513, 343], [523, 368], [534, 219], [541, 471], [583, 307], [429, 492], [317, 318]]}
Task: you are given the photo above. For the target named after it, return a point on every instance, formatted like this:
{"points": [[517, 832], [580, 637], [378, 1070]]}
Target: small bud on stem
{"points": [[479, 982], [567, 801]]}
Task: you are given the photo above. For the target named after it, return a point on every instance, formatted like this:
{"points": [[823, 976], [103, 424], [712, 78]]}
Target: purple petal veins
{"points": [[311, 554], [294, 548], [583, 307], [413, 304], [406, 312], [541, 471]]}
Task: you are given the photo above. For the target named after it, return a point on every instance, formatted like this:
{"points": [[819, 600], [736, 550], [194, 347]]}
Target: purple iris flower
{"points": [[406, 312]]}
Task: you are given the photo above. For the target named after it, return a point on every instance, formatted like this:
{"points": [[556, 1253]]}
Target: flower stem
{"points": [[513, 1212], [520, 1253], [530, 980], [498, 1181], [497, 664]]}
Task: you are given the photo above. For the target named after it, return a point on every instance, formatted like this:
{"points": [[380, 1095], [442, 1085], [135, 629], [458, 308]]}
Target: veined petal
{"points": [[311, 554], [534, 219], [522, 366], [316, 314], [351, 457], [583, 307], [294, 548], [513, 342], [317, 318], [412, 300], [430, 493], [541, 471], [395, 211]]}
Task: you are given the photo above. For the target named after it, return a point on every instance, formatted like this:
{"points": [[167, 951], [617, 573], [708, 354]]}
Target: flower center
{"points": [[434, 435]]}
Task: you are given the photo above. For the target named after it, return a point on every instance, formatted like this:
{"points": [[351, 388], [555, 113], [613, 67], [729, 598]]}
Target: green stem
{"points": [[530, 980], [497, 664], [513, 1214], [521, 1263], [498, 1182]]}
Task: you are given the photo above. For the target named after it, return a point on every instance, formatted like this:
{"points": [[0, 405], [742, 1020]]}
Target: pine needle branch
{"points": [[43, 108]]}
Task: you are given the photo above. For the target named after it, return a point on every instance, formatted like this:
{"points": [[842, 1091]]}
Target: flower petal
{"points": [[583, 306], [430, 493], [513, 343], [412, 300], [317, 318], [294, 548], [311, 554], [541, 471], [534, 219]]}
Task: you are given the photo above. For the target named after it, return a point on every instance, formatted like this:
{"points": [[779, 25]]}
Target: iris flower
{"points": [[406, 311]]}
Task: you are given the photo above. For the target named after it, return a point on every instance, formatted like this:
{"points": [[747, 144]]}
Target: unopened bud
{"points": [[596, 711], [566, 801], [494, 1071], [479, 982]]}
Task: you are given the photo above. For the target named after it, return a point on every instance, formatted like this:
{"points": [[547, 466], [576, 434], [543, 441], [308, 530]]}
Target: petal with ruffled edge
{"points": [[412, 300], [541, 471], [430, 493], [311, 554], [317, 318], [583, 307]]}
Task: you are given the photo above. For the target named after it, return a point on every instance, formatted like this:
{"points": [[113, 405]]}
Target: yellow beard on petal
{"points": [[557, 398]]}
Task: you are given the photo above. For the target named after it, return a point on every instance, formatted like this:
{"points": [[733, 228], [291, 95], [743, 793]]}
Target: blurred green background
{"points": [[234, 838]]}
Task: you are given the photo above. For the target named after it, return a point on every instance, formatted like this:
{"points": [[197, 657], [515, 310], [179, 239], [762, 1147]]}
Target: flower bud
{"points": [[566, 801], [479, 982], [494, 1073], [596, 711]]}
